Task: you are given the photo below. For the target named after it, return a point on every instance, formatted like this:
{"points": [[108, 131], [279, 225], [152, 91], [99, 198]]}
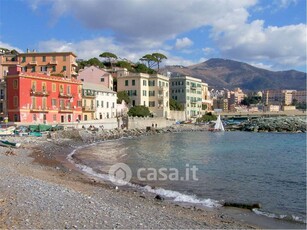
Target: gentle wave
{"points": [[281, 217]]}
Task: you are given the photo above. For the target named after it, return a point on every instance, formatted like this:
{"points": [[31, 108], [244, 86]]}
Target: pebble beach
{"points": [[39, 189]]}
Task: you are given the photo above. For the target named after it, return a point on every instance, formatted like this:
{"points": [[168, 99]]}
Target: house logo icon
{"points": [[120, 174]]}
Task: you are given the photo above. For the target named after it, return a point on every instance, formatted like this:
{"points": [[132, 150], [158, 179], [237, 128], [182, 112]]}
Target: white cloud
{"points": [[140, 27], [183, 43], [10, 47]]}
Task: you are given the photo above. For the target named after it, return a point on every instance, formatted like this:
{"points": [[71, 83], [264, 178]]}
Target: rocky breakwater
{"points": [[272, 124], [90, 136]]}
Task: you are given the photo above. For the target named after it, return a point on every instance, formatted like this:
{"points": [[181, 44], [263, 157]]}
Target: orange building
{"points": [[56, 63], [40, 98]]}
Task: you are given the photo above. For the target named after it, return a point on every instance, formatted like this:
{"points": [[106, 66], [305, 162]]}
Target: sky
{"points": [[269, 34]]}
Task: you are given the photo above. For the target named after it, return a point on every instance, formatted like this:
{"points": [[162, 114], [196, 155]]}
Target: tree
{"points": [[92, 61], [175, 105], [150, 59], [159, 57], [123, 95], [124, 64], [139, 111], [207, 117], [109, 56], [142, 68]]}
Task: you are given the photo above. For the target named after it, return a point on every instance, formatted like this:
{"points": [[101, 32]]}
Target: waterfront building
{"points": [[278, 97], [150, 90], [187, 91], [99, 102], [56, 63], [3, 101], [7, 58], [41, 98], [93, 74], [207, 102], [299, 96]]}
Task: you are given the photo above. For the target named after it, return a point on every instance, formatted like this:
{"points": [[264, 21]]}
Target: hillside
{"points": [[223, 73]]}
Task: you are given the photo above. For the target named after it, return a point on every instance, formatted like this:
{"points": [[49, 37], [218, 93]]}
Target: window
{"points": [[54, 117], [44, 87], [133, 82], [33, 87], [61, 89], [34, 117], [23, 59], [126, 82], [44, 58], [53, 102], [64, 58], [101, 104], [53, 87], [68, 89], [64, 68], [43, 68], [33, 69], [151, 104], [144, 83], [152, 93], [102, 79], [97, 104], [79, 104], [107, 104], [53, 69], [44, 103], [144, 93], [15, 84], [53, 58], [113, 105], [15, 101], [33, 58], [16, 117]]}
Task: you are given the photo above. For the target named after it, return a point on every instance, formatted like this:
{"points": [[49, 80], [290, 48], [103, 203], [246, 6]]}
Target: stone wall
{"points": [[143, 122], [177, 115]]}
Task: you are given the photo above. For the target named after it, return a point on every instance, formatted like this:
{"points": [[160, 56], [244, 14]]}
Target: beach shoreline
{"points": [[41, 189]]}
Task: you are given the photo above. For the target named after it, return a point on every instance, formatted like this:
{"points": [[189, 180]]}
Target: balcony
{"points": [[32, 63], [89, 95], [193, 87], [39, 93], [88, 109], [66, 109], [9, 62], [53, 63], [160, 96], [65, 95], [74, 64], [39, 109]]}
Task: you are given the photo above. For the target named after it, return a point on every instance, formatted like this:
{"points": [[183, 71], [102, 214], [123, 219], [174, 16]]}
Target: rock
{"points": [[158, 197]]}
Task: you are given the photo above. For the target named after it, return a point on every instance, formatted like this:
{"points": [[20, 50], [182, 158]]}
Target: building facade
{"points": [[150, 90], [93, 74], [278, 97], [299, 96], [40, 98], [187, 91], [56, 63], [99, 102]]}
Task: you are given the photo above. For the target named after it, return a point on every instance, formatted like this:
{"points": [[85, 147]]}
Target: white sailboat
{"points": [[219, 125]]}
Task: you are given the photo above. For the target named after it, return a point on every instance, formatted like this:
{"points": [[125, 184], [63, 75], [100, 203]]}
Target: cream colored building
{"points": [[98, 102], [278, 97], [206, 98], [7, 58], [188, 91], [150, 90]]}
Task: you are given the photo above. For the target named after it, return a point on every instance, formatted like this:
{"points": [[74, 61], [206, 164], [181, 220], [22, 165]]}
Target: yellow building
{"points": [[60, 63], [150, 90], [278, 97]]}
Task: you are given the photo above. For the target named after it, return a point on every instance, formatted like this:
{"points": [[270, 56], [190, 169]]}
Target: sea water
{"points": [[241, 167]]}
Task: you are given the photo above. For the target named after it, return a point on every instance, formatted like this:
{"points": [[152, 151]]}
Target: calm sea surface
{"points": [[268, 168]]}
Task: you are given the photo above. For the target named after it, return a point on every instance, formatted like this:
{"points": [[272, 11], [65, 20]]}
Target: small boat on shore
{"points": [[9, 144]]}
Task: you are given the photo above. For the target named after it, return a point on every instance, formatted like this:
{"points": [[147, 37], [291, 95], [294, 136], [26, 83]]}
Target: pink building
{"points": [[93, 74]]}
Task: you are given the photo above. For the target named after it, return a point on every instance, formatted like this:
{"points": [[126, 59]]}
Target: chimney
{"points": [[14, 70]]}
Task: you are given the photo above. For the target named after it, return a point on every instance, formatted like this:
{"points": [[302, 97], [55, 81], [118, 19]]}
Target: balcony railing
{"points": [[32, 63], [39, 109], [53, 62], [65, 95], [88, 109], [89, 95], [10, 63], [39, 93], [66, 109]]}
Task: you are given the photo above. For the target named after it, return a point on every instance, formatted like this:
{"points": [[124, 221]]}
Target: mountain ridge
{"points": [[226, 73]]}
